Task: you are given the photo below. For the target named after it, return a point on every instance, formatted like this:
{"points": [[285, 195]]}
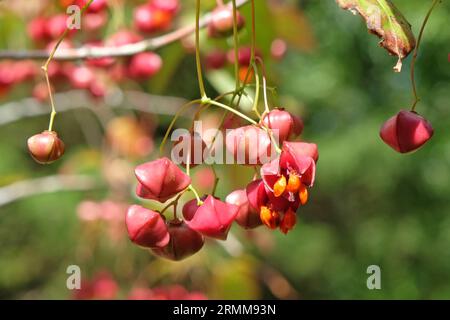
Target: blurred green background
{"points": [[370, 205]]}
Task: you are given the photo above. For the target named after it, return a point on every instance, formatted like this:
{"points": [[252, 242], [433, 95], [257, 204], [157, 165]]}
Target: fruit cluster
{"points": [[272, 200]]}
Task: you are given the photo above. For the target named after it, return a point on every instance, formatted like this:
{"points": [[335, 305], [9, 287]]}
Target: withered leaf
{"points": [[387, 22]]}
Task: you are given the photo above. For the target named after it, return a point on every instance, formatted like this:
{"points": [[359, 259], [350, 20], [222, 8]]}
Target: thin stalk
{"points": [[414, 58], [197, 52], [236, 45], [175, 118], [45, 69]]}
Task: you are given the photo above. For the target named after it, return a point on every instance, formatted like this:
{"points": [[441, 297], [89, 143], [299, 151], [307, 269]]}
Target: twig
{"points": [[77, 99], [120, 51], [28, 188]]}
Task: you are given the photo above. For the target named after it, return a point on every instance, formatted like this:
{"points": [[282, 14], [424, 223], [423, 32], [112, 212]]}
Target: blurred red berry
{"points": [[170, 6], [144, 65], [278, 49], [215, 59], [222, 22], [37, 29], [81, 77], [148, 18]]}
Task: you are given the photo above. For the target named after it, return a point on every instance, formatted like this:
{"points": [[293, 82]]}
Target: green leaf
{"points": [[387, 22]]}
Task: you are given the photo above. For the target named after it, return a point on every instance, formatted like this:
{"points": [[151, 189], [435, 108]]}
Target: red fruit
{"points": [[282, 124], [141, 294], [46, 147], [247, 217], [56, 25], [123, 37], [214, 218], [81, 77], [256, 194], [189, 209], [170, 6], [93, 22], [216, 59], [98, 62], [104, 287], [301, 149], [97, 89], [244, 56], [278, 49], [144, 65], [184, 242], [40, 92], [148, 18], [146, 228], [95, 7], [222, 20], [407, 131], [249, 145], [37, 29], [160, 180], [189, 145]]}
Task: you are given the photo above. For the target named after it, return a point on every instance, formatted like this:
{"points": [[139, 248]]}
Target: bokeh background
{"points": [[370, 205]]}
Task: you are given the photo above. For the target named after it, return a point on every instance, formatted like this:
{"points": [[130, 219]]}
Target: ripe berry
{"points": [[407, 131], [170, 6], [149, 19], [95, 7], [283, 124], [214, 218], [56, 25], [222, 21], [37, 29], [46, 147], [146, 228], [184, 242], [215, 59], [144, 65], [247, 217], [160, 180], [81, 77]]}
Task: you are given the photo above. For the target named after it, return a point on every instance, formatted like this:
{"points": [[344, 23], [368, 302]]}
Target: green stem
{"points": [[414, 58], [197, 52], [253, 32], [45, 69], [239, 114], [236, 45], [199, 201], [172, 123]]}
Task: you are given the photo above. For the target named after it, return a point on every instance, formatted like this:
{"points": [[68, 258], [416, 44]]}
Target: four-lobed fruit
{"points": [[184, 242], [283, 124], [146, 228], [46, 147], [406, 131]]}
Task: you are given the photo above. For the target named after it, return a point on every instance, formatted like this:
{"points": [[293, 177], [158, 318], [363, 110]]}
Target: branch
{"points": [[77, 99], [120, 51], [28, 188]]}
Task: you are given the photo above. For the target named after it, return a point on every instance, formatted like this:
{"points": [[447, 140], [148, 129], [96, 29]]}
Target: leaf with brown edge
{"points": [[388, 23]]}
